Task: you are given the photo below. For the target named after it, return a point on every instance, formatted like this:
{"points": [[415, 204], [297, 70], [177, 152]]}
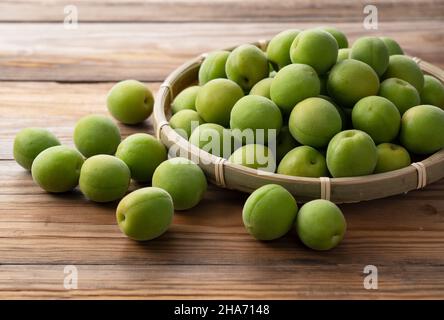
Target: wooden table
{"points": [[51, 76]]}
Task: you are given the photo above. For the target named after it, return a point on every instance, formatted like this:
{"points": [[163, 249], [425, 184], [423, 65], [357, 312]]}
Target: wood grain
{"points": [[220, 282], [219, 10], [150, 51]]}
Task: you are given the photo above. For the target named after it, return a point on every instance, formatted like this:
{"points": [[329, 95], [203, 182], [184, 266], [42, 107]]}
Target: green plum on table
{"points": [[29, 142]]}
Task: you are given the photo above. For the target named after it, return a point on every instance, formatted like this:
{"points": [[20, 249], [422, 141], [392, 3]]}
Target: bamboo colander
{"points": [[339, 190]]}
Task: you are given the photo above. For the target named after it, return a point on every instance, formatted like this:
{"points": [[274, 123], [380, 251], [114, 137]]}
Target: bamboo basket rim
{"points": [[218, 169]]}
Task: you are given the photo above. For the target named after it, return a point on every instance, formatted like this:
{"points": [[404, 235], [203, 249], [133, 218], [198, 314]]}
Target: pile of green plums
{"points": [[306, 106], [102, 165], [309, 105]]}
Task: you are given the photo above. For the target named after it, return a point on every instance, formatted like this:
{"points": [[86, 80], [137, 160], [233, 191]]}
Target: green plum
{"points": [[404, 68], [185, 121], [213, 67], [392, 46], [216, 99], [391, 157], [351, 153], [320, 224], [104, 178], [145, 214], [401, 93], [315, 47], [432, 92], [342, 112], [57, 169], [29, 142], [278, 49], [130, 102], [340, 37], [262, 88], [377, 116], [422, 129], [214, 139], [372, 51], [183, 180], [247, 65], [351, 80], [292, 84], [343, 54], [314, 121], [303, 161], [255, 156], [259, 114], [142, 153], [269, 212], [186, 99], [96, 134]]}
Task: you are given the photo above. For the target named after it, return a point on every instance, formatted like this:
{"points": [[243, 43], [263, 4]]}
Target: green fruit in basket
{"points": [[303, 161], [183, 180], [344, 117], [104, 178], [278, 49], [145, 214], [372, 51], [142, 153], [186, 99], [316, 48], [405, 68], [185, 121], [57, 169], [377, 116], [130, 102], [320, 225], [247, 65], [259, 114], [285, 143], [213, 67], [314, 121], [96, 134], [269, 212], [214, 139], [292, 84], [29, 142], [343, 54], [432, 92], [255, 156], [340, 37], [262, 88], [351, 80], [401, 93], [391, 157], [216, 99], [422, 129], [351, 153], [392, 46]]}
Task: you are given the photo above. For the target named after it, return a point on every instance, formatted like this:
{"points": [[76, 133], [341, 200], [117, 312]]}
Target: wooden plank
{"points": [[218, 10], [149, 52], [221, 282], [36, 227], [54, 106]]}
